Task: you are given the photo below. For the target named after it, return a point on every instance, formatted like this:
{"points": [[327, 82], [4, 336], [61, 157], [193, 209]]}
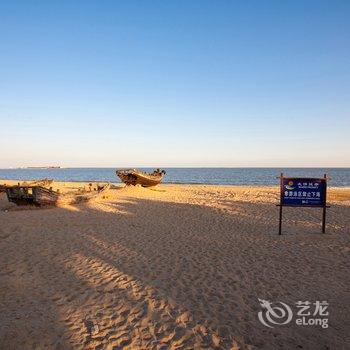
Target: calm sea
{"points": [[340, 177]]}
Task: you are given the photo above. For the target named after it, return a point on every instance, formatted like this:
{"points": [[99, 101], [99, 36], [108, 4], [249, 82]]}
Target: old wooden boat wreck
{"points": [[137, 177], [42, 183], [41, 196]]}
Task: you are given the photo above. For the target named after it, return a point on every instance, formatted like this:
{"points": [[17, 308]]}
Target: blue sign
{"points": [[303, 192]]}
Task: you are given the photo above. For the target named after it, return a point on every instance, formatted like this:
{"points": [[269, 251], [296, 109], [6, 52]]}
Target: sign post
{"points": [[303, 192], [281, 205], [324, 206]]}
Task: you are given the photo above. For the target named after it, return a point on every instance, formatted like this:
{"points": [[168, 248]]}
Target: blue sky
{"points": [[175, 83]]}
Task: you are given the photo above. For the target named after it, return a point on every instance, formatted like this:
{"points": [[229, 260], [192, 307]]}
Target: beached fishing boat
{"points": [[42, 183], [137, 177], [40, 196]]}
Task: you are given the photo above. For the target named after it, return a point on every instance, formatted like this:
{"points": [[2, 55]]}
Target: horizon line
{"points": [[174, 167]]}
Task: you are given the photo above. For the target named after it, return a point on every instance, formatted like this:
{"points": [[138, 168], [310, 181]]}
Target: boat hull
{"points": [[134, 177], [41, 196], [42, 183]]}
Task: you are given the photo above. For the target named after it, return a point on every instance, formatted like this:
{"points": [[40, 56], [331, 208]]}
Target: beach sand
{"points": [[175, 267]]}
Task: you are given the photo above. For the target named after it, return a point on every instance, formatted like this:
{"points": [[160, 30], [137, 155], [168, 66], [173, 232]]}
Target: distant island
{"points": [[43, 167]]}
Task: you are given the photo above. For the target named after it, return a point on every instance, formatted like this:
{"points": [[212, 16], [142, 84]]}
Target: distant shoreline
{"points": [[38, 167]]}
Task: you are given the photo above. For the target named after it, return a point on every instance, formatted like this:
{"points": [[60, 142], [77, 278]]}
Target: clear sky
{"points": [[175, 83]]}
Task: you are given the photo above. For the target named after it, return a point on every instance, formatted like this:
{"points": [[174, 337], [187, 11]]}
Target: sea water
{"points": [[340, 177]]}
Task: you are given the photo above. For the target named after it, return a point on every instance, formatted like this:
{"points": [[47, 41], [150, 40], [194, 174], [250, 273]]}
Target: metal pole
{"points": [[324, 206], [280, 217]]}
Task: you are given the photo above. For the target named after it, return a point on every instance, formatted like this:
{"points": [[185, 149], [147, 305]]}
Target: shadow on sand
{"points": [[145, 274]]}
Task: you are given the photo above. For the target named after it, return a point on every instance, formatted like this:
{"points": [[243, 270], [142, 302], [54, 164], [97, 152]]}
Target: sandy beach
{"points": [[175, 267]]}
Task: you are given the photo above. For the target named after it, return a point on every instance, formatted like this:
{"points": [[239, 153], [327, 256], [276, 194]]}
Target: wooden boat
{"points": [[137, 177], [42, 183], [40, 196]]}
